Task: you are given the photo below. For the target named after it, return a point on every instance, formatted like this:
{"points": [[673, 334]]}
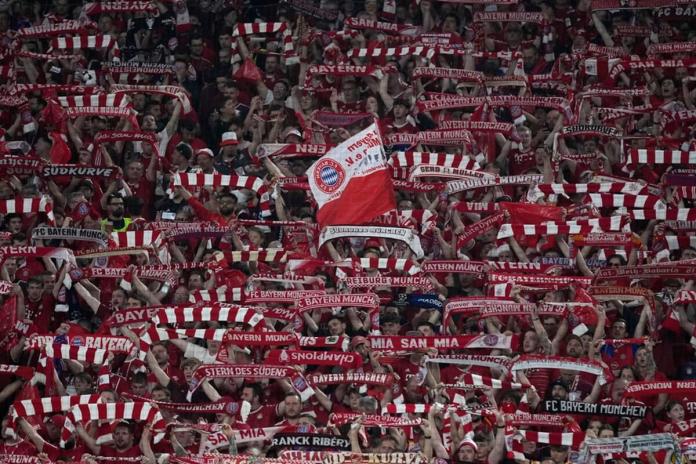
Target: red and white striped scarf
{"points": [[407, 159], [609, 200], [380, 52], [629, 188], [516, 449], [47, 405], [669, 214], [76, 353], [386, 264], [28, 206], [243, 29], [94, 100], [215, 312], [256, 184], [80, 42], [611, 224], [269, 256], [84, 413], [222, 294], [529, 361], [653, 156], [137, 238]]}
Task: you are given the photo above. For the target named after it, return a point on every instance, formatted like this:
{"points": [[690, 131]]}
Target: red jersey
{"points": [[521, 161], [263, 416]]}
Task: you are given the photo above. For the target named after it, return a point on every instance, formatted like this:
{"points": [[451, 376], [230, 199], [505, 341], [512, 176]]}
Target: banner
{"points": [[595, 409], [310, 441]]}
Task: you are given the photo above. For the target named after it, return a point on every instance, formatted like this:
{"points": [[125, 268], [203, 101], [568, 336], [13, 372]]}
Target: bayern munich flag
{"points": [[351, 183]]}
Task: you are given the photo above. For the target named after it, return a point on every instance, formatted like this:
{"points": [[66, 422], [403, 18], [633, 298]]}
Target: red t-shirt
{"points": [[21, 448], [109, 452], [264, 416]]}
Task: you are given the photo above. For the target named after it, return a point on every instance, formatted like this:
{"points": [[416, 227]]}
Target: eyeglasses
{"points": [[116, 204]]}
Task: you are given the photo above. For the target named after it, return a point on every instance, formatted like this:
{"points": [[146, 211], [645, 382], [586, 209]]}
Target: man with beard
{"points": [[123, 446], [114, 214], [226, 205]]}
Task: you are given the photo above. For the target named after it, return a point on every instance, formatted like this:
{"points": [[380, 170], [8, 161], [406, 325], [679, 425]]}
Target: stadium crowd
{"points": [[341, 231]]}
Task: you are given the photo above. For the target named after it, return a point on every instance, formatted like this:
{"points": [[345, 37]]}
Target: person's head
{"points": [[525, 134], [204, 159], [252, 393], [530, 342], [617, 389], [196, 46], [107, 396], [513, 34], [351, 91], [293, 405], [123, 436], [161, 354], [386, 444], [336, 326], [368, 405], [607, 431], [115, 206], [450, 24], [227, 204], [530, 55], [594, 425], [401, 107], [559, 390], [196, 280], [688, 253], [574, 346], [229, 108], [281, 90], [675, 411], [616, 261], [272, 64], [139, 384], [34, 289], [13, 223], [628, 374], [467, 451], [390, 323], [427, 329], [668, 87], [559, 454], [83, 383], [619, 329], [188, 367], [160, 393]]}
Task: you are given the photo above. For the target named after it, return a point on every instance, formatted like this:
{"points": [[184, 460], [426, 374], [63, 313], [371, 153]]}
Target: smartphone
{"points": [[168, 216]]}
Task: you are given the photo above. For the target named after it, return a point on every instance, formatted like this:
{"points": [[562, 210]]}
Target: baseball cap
{"points": [[228, 139]]}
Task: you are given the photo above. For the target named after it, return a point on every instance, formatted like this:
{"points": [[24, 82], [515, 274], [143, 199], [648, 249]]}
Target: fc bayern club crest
{"points": [[329, 175]]}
